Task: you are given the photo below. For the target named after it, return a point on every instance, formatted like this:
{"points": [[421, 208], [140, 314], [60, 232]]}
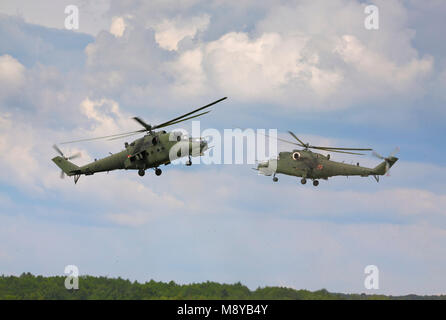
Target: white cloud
{"points": [[105, 114], [379, 68], [189, 73], [12, 75], [289, 58], [269, 67], [170, 32], [17, 146], [117, 27], [331, 62]]}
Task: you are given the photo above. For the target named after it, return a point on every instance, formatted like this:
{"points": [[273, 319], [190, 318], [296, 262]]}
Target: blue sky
{"points": [[305, 66]]}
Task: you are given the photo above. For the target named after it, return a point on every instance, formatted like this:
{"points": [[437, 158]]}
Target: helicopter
{"points": [[155, 148], [307, 164]]}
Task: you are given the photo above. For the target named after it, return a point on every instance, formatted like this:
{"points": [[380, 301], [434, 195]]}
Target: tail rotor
{"points": [[74, 156], [389, 160]]}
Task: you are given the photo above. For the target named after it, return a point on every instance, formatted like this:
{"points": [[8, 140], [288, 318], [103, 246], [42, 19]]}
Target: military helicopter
{"points": [[154, 149], [311, 165]]}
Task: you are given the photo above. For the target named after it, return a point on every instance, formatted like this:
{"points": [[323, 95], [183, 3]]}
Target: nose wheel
{"points": [[303, 181], [189, 162], [141, 172], [158, 171], [315, 183], [275, 179]]}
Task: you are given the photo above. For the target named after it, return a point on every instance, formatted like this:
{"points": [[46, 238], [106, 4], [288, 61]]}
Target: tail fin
{"points": [[69, 168], [384, 166], [380, 169]]}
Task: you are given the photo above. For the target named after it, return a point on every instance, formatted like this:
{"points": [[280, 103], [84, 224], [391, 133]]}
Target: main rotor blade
{"points": [[175, 122], [295, 137], [338, 151], [125, 136], [322, 148], [187, 114], [103, 137], [74, 156], [290, 142], [146, 126], [58, 150], [283, 140], [377, 155], [332, 148], [143, 123]]}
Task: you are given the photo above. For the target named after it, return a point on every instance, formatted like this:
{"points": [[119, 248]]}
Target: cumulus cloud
{"points": [[289, 58], [131, 65], [326, 62], [170, 32], [269, 67], [117, 27], [189, 73], [12, 75], [105, 117], [380, 69]]}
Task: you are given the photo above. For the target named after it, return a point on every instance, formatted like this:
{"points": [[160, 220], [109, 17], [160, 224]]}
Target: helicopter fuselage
{"points": [[150, 151], [312, 165]]}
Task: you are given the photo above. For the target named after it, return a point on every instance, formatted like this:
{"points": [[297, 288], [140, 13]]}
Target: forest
{"points": [[30, 287]]}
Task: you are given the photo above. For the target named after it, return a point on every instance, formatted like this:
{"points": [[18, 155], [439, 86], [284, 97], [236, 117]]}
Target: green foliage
{"points": [[30, 287]]}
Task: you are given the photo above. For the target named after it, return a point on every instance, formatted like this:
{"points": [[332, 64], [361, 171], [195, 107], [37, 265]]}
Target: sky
{"points": [[307, 66]]}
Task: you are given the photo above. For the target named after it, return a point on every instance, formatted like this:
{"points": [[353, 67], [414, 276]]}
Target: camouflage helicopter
{"points": [[154, 149], [311, 165]]}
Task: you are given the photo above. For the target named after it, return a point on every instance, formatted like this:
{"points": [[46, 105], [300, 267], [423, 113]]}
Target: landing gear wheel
{"points": [[189, 162], [315, 183], [158, 171], [303, 181], [141, 172], [275, 179]]}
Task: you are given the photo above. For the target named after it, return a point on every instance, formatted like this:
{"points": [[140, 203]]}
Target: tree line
{"points": [[30, 287]]}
